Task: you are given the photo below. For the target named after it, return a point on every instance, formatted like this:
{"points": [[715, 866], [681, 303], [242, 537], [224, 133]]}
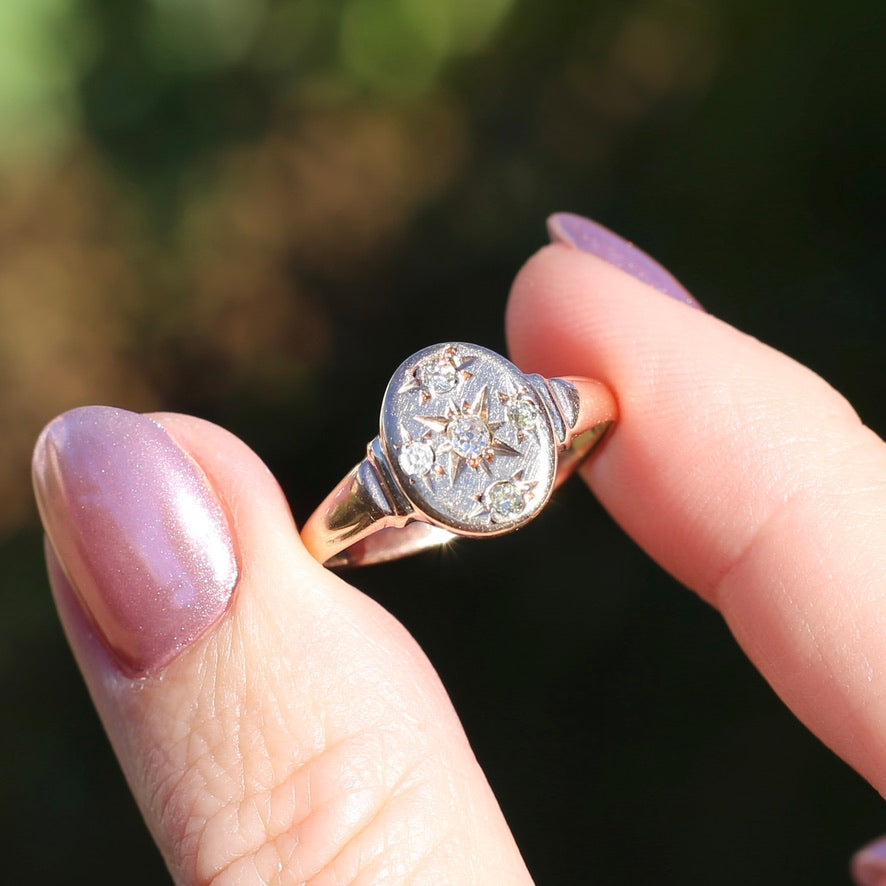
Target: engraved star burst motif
{"points": [[521, 411], [468, 436], [417, 457], [438, 376], [505, 500]]}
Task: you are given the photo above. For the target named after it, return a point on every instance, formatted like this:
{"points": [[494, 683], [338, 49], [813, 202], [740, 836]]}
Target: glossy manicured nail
{"points": [[869, 864], [139, 532], [587, 236]]}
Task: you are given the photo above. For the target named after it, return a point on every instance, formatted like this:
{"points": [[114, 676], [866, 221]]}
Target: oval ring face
{"points": [[468, 439]]}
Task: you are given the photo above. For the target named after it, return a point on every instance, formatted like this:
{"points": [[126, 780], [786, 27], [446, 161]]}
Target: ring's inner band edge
{"points": [[391, 543]]}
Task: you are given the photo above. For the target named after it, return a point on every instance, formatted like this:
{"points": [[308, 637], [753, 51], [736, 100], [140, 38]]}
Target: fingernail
{"points": [[140, 534], [868, 865], [587, 236]]}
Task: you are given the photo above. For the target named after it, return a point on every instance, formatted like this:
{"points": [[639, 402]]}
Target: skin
{"points": [[306, 738]]}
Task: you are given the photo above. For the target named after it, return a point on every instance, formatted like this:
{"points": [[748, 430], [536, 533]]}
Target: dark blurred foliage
{"points": [[244, 208]]}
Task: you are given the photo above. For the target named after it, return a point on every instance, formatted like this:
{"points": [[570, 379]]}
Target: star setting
{"points": [[521, 411], [469, 438], [438, 375], [504, 500]]}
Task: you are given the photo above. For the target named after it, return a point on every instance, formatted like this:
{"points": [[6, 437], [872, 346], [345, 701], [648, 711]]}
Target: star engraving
{"points": [[504, 500], [468, 436], [521, 410], [418, 458], [437, 375]]}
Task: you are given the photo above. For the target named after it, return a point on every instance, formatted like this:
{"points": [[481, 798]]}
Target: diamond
{"points": [[416, 458], [504, 500], [469, 436], [441, 376], [523, 414]]}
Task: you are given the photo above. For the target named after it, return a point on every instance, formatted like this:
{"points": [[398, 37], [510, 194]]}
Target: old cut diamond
{"points": [[469, 436], [504, 500], [522, 413], [416, 458], [441, 376]]}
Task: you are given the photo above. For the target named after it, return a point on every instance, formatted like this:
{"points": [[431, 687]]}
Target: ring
{"points": [[468, 445]]}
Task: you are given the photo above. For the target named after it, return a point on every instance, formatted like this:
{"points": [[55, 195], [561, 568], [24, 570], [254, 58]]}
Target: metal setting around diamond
{"points": [[416, 458], [523, 413], [469, 436], [439, 374], [504, 500], [479, 440]]}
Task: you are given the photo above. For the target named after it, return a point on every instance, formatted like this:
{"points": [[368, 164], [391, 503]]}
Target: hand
{"points": [[277, 726]]}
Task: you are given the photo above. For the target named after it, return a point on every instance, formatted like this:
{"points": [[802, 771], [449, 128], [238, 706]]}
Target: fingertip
{"points": [[154, 525], [141, 534], [253, 497], [529, 335], [263, 526], [703, 407], [562, 299], [593, 238], [868, 864], [742, 472]]}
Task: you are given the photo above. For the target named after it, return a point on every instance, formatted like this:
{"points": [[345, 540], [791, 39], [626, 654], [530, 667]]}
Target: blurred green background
{"points": [[239, 208]]}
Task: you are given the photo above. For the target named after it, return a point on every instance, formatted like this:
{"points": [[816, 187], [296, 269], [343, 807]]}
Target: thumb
{"points": [[274, 724]]}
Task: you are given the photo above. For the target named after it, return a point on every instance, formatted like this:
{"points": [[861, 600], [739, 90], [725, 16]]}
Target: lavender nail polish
{"points": [[140, 534], [587, 236], [869, 864]]}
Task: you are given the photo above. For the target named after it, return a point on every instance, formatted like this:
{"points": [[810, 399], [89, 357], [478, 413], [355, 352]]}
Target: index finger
{"points": [[742, 473]]}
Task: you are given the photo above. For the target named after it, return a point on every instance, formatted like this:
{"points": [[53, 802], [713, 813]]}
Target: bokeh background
{"points": [[242, 208]]}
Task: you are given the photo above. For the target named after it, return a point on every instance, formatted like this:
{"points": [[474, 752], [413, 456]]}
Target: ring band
{"points": [[468, 446]]}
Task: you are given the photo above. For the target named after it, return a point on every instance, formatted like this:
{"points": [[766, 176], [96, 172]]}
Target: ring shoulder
{"points": [[561, 401], [368, 495], [567, 398], [397, 502]]}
